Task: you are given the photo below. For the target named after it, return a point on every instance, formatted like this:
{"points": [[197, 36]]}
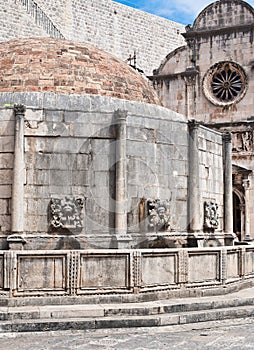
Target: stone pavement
{"points": [[227, 335], [127, 315]]}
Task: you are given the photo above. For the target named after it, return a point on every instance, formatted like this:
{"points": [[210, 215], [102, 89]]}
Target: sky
{"points": [[181, 11]]}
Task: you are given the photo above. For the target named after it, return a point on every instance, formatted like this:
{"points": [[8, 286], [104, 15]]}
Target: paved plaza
{"points": [[226, 335]]}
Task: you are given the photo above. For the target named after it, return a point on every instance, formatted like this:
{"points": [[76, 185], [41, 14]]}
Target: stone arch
{"points": [[239, 212]]}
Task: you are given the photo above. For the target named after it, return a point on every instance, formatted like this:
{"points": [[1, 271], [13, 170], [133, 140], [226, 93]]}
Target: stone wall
{"points": [[110, 26], [16, 23], [141, 274], [70, 150], [211, 170], [6, 166]]}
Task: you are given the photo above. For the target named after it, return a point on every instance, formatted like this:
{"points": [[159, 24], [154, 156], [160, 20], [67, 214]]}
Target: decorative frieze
{"points": [[137, 265], [67, 213], [183, 266], [211, 215], [158, 215]]}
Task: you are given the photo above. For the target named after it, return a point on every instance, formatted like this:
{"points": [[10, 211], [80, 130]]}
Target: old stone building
{"points": [[95, 141], [94, 171], [210, 79]]}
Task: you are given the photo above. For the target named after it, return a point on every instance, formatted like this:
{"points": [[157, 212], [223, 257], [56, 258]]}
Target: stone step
{"points": [[127, 309], [29, 325], [108, 310], [144, 314]]}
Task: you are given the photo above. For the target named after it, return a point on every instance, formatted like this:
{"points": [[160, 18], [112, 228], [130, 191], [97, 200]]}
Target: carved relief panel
{"points": [[158, 215], [66, 213], [211, 215]]}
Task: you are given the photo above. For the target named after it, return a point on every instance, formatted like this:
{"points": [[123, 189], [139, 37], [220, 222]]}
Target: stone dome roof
{"points": [[66, 67]]}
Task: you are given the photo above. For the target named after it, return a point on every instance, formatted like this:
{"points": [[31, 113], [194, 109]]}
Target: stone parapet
{"points": [[124, 273]]}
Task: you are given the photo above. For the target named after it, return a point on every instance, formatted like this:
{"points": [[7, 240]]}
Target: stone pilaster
{"points": [[228, 186], [121, 180], [246, 186], [17, 214], [195, 220]]}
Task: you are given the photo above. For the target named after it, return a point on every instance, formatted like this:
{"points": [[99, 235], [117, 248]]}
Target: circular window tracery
{"points": [[225, 83]]}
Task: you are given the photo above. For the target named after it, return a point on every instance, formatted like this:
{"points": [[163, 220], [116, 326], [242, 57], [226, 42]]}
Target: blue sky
{"points": [[182, 11]]}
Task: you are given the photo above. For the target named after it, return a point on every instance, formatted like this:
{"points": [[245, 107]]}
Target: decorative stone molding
{"points": [[16, 242], [73, 271], [225, 83], [242, 141], [66, 213], [211, 215], [158, 215], [193, 124], [227, 137], [190, 80], [19, 109], [137, 280]]}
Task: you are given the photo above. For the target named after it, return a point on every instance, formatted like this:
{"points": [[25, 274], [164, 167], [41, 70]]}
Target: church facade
{"points": [[210, 79]]}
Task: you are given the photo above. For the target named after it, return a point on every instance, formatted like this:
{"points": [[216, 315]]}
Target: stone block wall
{"points": [[70, 151], [158, 166], [223, 48], [6, 166], [211, 170], [16, 23], [113, 27]]}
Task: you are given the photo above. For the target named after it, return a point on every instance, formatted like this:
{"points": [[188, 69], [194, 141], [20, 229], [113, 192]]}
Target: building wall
{"points": [[204, 49], [15, 23], [70, 143], [6, 166], [211, 170], [110, 26], [222, 32]]}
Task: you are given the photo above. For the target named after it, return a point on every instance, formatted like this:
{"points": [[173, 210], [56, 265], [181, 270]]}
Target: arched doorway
{"points": [[238, 214]]}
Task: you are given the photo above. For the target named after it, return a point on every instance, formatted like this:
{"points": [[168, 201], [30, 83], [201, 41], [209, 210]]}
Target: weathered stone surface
{"points": [[78, 68], [189, 81]]}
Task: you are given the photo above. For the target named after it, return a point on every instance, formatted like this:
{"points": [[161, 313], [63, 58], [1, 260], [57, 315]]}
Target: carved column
{"points": [[246, 186], [121, 180], [190, 83], [228, 186], [194, 191], [17, 215]]}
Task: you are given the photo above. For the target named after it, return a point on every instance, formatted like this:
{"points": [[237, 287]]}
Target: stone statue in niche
{"points": [[158, 215], [242, 141], [211, 215], [66, 213]]}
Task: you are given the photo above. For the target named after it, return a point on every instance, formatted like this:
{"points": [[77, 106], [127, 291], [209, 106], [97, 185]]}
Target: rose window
{"points": [[225, 83]]}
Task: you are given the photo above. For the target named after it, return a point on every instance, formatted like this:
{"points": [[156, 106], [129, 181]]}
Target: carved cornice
{"points": [[217, 31], [247, 124], [188, 74]]}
